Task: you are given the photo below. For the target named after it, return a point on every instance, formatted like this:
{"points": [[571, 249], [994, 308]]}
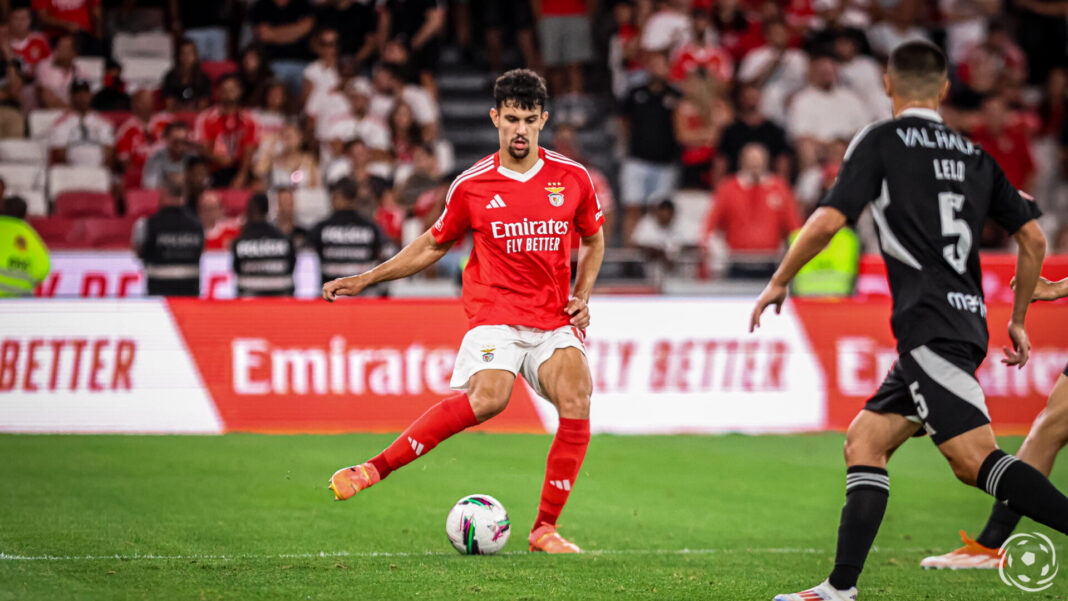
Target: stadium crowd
{"points": [[733, 115]]}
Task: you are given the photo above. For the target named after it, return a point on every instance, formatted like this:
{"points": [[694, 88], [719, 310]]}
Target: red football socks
{"points": [[441, 421], [565, 458]]}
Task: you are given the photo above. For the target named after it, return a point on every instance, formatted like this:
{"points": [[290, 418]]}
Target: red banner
{"points": [[998, 271]]}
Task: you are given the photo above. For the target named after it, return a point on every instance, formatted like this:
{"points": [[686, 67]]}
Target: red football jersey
{"points": [[519, 273], [32, 49], [231, 135]]}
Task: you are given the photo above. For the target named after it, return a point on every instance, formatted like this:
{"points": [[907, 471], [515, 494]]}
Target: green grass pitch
{"points": [[682, 517]]}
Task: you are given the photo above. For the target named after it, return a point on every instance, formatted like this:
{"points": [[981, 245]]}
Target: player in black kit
{"points": [[930, 191], [1047, 437]]}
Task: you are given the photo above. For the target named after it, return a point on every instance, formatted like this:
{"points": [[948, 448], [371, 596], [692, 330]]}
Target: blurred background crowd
{"points": [[711, 127]]}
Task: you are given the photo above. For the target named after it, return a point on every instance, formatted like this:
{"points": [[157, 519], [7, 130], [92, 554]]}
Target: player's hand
{"points": [[579, 312], [773, 294], [350, 286], [1021, 346], [1045, 290]]}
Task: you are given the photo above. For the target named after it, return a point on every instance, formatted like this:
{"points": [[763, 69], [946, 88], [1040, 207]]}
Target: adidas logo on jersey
{"points": [[496, 203], [561, 484], [416, 446]]}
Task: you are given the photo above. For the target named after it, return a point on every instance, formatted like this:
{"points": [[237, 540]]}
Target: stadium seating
{"points": [[141, 203], [41, 122], [22, 178], [152, 44], [105, 232], [84, 204], [28, 152], [311, 205], [36, 203], [233, 200], [57, 232], [144, 72], [62, 178], [92, 69]]}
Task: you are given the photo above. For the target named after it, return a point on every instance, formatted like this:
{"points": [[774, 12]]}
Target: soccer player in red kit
{"points": [[522, 205]]}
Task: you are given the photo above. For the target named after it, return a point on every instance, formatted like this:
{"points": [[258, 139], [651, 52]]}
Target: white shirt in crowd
{"points": [[826, 115], [666, 30], [884, 37], [864, 76], [57, 80], [789, 77], [968, 31], [648, 233], [323, 79], [424, 108], [84, 137]]}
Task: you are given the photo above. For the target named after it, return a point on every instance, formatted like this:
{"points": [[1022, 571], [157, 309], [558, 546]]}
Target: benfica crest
{"points": [[556, 196], [487, 353]]}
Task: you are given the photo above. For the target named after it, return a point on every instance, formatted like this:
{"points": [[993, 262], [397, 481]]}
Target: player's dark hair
{"points": [[521, 88], [258, 206], [918, 68]]}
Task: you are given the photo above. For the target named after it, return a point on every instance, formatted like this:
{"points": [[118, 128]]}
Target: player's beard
{"points": [[519, 155]]}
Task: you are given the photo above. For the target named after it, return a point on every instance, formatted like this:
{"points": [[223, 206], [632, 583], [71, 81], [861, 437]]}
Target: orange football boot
{"points": [[546, 539], [972, 556], [348, 481]]}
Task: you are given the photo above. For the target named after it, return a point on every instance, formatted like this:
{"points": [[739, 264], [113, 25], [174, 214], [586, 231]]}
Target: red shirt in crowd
{"points": [[1011, 149], [135, 141], [31, 50], [754, 216], [232, 135], [73, 11], [712, 59], [562, 8], [519, 273]]}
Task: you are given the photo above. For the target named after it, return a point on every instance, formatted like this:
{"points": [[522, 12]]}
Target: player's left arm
{"points": [[814, 237], [591, 254]]}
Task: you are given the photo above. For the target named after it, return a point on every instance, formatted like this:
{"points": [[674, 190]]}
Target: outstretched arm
{"points": [[423, 252], [591, 254], [1031, 250], [814, 237]]}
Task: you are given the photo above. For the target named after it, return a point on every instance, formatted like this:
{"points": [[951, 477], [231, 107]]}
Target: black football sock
{"points": [[867, 490], [1024, 489], [999, 527]]}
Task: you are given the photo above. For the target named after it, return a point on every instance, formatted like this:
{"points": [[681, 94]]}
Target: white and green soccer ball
{"points": [[478, 525]]}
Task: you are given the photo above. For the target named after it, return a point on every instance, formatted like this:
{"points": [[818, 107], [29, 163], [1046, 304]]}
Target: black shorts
{"points": [[935, 385]]}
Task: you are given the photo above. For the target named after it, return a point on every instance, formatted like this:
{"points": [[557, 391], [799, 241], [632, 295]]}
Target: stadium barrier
{"points": [[660, 365]]}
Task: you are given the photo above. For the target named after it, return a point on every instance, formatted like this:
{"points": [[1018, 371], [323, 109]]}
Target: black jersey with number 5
{"points": [[930, 191]]}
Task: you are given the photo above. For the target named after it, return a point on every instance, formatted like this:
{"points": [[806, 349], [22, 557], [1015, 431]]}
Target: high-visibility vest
{"points": [[23, 258], [833, 272]]}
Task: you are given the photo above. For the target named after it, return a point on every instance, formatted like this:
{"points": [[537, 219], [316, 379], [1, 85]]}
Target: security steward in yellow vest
{"points": [[24, 262]]}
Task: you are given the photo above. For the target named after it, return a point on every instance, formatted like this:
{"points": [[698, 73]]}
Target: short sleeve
{"points": [[1008, 206], [589, 216], [455, 220], [860, 178]]}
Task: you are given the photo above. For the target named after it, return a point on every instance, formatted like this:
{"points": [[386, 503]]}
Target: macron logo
{"points": [[561, 484], [416, 446], [496, 203]]}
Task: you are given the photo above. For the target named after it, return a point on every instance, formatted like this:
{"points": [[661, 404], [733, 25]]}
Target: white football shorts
{"points": [[518, 349]]}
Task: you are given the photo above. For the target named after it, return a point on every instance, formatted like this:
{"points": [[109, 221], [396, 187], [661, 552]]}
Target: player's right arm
{"points": [[423, 252], [1031, 250]]}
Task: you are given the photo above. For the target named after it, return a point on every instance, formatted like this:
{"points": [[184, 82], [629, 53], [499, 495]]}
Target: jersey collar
{"points": [[517, 176], [922, 114]]}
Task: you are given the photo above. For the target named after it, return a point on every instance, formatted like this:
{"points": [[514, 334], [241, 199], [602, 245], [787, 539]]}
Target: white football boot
{"points": [[821, 592]]}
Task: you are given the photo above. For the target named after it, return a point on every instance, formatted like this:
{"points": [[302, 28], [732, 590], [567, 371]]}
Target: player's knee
{"points": [[575, 405], [1052, 426], [487, 404], [858, 451]]}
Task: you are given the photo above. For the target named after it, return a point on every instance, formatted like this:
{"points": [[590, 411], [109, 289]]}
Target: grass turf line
{"points": [[247, 516]]}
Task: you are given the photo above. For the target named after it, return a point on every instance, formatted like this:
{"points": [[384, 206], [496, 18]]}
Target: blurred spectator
{"points": [[700, 117], [219, 231], [171, 158], [354, 162], [417, 178], [388, 214], [197, 179], [750, 125], [965, 24], [669, 28], [80, 136], [649, 172], [658, 235], [185, 86], [136, 140], [170, 244], [202, 21], [30, 46], [286, 217], [822, 112], [22, 252], [899, 27], [12, 124], [861, 74], [702, 53], [388, 87], [270, 115], [55, 75], [355, 23], [417, 25], [566, 142], [112, 97], [346, 242], [624, 49], [737, 34], [1042, 31], [227, 134], [516, 18], [778, 70], [80, 18], [282, 161], [255, 75], [322, 75], [347, 118], [262, 256], [813, 183], [404, 133], [1006, 140], [564, 32], [995, 63], [756, 211], [283, 28]]}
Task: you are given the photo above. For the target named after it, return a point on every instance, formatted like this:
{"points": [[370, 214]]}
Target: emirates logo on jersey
{"points": [[556, 196]]}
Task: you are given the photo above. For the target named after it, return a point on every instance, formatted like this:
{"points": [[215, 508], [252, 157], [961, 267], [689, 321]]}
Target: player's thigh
{"points": [[966, 452], [874, 436], [488, 392], [486, 365], [564, 379]]}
